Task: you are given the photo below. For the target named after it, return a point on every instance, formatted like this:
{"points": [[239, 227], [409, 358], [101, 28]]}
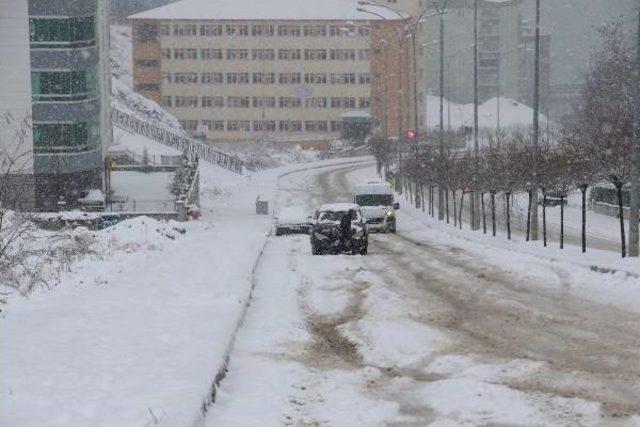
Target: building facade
{"points": [[238, 73], [505, 52], [58, 81]]}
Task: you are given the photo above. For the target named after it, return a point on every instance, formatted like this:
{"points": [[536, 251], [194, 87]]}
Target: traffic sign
{"points": [[411, 135]]}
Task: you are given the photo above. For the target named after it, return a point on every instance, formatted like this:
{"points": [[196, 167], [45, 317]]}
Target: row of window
{"points": [[267, 54], [62, 32], [61, 137], [263, 125], [268, 78], [264, 30], [285, 102], [63, 85]]}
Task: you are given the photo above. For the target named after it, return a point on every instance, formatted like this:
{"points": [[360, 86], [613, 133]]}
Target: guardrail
{"points": [[133, 124]]}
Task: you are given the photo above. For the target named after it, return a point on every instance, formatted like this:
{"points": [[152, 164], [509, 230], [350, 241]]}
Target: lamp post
{"points": [[634, 250], [536, 125]]}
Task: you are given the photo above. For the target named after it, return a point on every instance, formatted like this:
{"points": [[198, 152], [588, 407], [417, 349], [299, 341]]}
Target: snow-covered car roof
{"points": [[339, 207], [292, 214]]}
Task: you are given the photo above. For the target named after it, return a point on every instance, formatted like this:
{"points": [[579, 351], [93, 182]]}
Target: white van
{"points": [[376, 200]]}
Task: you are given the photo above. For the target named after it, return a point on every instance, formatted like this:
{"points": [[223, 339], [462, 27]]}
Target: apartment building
{"points": [[505, 52], [244, 70], [55, 100]]}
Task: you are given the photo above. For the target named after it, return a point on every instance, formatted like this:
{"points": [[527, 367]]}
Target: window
{"points": [[238, 125], [342, 78], [211, 30], [264, 102], [238, 102], [186, 102], [262, 31], [243, 30], [289, 30], [166, 77], [342, 54], [166, 101], [336, 126], [208, 54], [232, 78], [289, 54], [146, 63], [212, 78], [73, 32], [56, 137], [364, 78], [213, 101], [263, 54], [264, 126], [189, 125], [166, 53], [185, 78], [315, 78], [63, 85], [315, 54], [147, 87], [290, 78], [364, 31], [336, 31], [214, 125], [230, 30], [345, 102], [315, 103], [264, 78], [185, 30], [290, 126], [315, 30], [185, 53], [243, 79], [289, 102], [315, 126], [165, 30], [364, 103], [237, 53]]}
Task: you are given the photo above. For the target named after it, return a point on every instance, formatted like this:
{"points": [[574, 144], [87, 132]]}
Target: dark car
{"points": [[327, 236]]}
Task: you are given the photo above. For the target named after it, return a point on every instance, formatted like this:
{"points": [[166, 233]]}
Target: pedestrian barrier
{"points": [[187, 145]]}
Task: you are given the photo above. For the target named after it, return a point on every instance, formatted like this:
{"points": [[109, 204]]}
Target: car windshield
{"points": [[374, 199], [336, 216]]}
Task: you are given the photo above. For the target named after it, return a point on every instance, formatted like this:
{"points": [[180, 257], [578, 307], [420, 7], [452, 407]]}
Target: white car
{"points": [[292, 220], [378, 206]]}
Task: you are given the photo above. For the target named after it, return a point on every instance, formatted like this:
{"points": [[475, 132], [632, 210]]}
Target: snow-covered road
{"points": [[422, 331]]}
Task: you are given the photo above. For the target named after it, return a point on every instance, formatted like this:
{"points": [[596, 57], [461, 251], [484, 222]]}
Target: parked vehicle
{"points": [[292, 220], [92, 201], [328, 232], [376, 201]]}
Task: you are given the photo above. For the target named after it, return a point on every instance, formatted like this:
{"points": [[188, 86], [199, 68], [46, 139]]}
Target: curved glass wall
{"points": [[65, 137], [63, 85], [62, 32]]}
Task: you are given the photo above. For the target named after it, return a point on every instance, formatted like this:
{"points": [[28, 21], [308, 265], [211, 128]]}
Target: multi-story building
{"points": [[244, 70], [55, 97], [505, 52]]}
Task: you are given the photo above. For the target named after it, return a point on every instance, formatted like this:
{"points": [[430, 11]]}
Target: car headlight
{"points": [[390, 214]]}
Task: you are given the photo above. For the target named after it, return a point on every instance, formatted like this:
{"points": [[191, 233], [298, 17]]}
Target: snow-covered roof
{"points": [[268, 10], [373, 188], [339, 207]]}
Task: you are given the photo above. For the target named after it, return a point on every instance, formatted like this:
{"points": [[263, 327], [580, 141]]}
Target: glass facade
{"points": [[64, 137], [62, 32], [63, 85]]}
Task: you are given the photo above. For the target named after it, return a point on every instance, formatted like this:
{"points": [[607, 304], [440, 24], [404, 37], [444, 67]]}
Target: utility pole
{"points": [[536, 127], [634, 215], [442, 148], [475, 223]]}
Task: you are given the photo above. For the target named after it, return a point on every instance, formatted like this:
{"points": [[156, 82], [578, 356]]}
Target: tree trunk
{"points": [[561, 222], [508, 197], [422, 196], [484, 216], [529, 216], [461, 207], [544, 217], [431, 200], [455, 209], [493, 213], [446, 193], [621, 213], [583, 190]]}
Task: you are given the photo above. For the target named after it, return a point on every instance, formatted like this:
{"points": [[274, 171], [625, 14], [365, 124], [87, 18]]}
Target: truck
{"points": [[376, 201]]}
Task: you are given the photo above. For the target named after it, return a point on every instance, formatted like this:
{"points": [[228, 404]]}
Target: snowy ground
{"points": [[435, 327]]}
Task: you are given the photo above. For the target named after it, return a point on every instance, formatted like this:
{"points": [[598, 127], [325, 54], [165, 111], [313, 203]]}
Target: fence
{"points": [[133, 124]]}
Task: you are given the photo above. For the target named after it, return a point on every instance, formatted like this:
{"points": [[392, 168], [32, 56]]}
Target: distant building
{"points": [[56, 91], [239, 70], [505, 51]]}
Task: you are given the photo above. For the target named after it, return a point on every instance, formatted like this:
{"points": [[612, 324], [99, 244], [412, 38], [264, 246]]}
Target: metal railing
{"points": [[187, 145]]}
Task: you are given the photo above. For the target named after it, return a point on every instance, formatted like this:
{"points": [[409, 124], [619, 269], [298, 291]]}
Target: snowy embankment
{"points": [[136, 332]]}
